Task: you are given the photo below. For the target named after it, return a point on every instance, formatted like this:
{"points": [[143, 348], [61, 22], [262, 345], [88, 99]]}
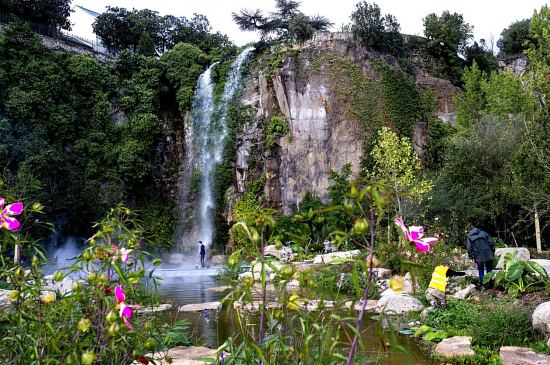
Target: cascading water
{"points": [[209, 133]]}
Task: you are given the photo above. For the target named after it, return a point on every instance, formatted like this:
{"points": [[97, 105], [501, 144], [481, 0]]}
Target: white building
{"points": [[81, 19]]}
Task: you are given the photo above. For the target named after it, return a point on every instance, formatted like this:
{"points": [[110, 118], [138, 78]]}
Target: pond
{"points": [[191, 286]]}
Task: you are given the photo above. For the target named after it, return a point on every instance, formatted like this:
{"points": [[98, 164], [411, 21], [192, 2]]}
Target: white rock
{"points": [[63, 286], [455, 346], [511, 355], [185, 356], [398, 304], [544, 263], [541, 318], [159, 308], [523, 254], [357, 305], [465, 292], [330, 257], [199, 307]]}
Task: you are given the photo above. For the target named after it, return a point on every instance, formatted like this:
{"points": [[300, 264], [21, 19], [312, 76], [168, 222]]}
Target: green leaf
{"points": [[488, 277], [436, 336], [423, 330], [513, 291], [537, 268], [514, 272]]}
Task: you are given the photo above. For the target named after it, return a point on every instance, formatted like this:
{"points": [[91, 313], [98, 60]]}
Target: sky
{"points": [[488, 17]]}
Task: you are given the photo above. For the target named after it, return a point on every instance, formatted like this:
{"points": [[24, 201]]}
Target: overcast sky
{"points": [[488, 17]]}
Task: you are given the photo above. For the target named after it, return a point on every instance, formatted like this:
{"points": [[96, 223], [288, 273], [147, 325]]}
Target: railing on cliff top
{"points": [[54, 32]]}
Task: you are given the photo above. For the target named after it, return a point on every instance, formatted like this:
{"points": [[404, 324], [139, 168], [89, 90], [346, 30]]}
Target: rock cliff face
{"points": [[324, 133]]}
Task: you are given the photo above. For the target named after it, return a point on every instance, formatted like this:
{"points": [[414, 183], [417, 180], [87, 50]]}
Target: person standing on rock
{"points": [[480, 249], [202, 253], [435, 294]]}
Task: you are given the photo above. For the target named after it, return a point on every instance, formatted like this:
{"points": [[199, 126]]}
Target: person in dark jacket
{"points": [[202, 253], [480, 249]]}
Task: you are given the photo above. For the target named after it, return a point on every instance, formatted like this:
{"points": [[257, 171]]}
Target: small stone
{"points": [[398, 304], [159, 308], [455, 346], [356, 305]]}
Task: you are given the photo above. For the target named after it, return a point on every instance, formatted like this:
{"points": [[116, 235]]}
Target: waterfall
{"points": [[205, 150]]}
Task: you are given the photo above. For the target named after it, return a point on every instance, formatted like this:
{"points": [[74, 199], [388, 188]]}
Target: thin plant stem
{"points": [[351, 353]]}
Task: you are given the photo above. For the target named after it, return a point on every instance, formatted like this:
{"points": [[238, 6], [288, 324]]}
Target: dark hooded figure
{"points": [[202, 253], [481, 249]]}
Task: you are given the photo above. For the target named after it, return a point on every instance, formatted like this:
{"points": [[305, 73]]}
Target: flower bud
{"points": [[150, 344], [111, 317], [35, 262], [157, 262], [114, 329], [360, 226], [58, 276], [84, 324], [88, 358]]}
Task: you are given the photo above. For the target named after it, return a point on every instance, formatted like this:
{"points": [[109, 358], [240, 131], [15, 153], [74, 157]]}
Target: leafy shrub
{"points": [[504, 325], [457, 315], [517, 276]]}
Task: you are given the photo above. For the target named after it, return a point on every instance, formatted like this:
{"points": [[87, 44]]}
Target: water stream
{"points": [[205, 151]]}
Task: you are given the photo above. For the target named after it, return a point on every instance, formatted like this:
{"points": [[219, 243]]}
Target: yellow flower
{"points": [[48, 297], [84, 324], [396, 283]]}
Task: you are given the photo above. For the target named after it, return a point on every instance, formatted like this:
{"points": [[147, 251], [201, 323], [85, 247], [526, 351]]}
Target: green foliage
{"points": [[160, 215], [454, 316], [503, 325], [287, 23], [397, 166], [475, 184], [183, 65], [439, 133], [516, 38], [146, 32], [84, 323], [299, 29], [480, 54], [447, 35], [517, 276], [54, 13], [375, 31], [404, 102], [277, 127]]}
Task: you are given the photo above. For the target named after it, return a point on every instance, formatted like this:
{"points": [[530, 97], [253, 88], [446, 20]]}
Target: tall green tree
{"points": [[277, 26], [375, 31], [54, 13], [516, 38], [448, 36]]}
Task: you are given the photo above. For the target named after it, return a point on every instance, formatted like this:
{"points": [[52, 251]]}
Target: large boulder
{"points": [[333, 256], [541, 318], [511, 355], [544, 263], [455, 346], [285, 254], [522, 252], [398, 304], [63, 286]]}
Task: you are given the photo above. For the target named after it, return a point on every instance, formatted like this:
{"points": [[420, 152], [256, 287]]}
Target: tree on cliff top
{"points": [[53, 13], [286, 23], [448, 36], [515, 39], [375, 31]]}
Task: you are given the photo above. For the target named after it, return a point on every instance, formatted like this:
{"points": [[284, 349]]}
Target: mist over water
{"points": [[209, 133]]}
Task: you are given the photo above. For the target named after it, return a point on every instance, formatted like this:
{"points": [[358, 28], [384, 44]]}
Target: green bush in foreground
{"points": [[455, 315], [503, 325]]}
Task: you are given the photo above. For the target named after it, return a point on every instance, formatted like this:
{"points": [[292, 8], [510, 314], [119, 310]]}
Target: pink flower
{"points": [[6, 221], [414, 234], [124, 311]]}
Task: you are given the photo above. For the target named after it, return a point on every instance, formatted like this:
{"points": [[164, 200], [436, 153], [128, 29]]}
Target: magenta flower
{"points": [[6, 221], [124, 311], [414, 234]]}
